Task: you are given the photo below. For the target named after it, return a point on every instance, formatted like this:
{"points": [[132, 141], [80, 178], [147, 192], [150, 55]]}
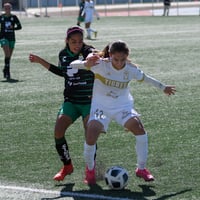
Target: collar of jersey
{"points": [[70, 53]]}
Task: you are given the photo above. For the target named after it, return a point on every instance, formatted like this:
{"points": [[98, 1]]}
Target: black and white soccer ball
{"points": [[116, 178]]}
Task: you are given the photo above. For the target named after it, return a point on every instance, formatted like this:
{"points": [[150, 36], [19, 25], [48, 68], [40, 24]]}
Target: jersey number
{"points": [[99, 114]]}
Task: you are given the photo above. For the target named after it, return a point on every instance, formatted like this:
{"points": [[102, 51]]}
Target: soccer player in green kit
{"points": [[77, 92], [9, 24]]}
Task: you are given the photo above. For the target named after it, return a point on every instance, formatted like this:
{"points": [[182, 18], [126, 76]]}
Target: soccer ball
{"points": [[116, 178]]}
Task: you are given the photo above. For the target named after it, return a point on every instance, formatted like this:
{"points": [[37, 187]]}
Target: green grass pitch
{"points": [[167, 49]]}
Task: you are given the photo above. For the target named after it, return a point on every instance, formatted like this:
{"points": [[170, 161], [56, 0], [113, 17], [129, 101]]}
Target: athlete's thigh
{"points": [[135, 125], [69, 109], [99, 114], [5, 47], [4, 42], [125, 113], [84, 111], [87, 25], [128, 118], [62, 123], [88, 18]]}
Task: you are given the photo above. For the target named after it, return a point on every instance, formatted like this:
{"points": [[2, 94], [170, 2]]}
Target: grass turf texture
{"points": [[166, 48]]}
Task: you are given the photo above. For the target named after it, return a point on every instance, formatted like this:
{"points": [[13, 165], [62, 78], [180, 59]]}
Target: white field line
{"points": [[62, 194]]}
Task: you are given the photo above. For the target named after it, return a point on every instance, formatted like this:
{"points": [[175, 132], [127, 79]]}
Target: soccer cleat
{"points": [[145, 174], [95, 34], [66, 170], [90, 178], [6, 73]]}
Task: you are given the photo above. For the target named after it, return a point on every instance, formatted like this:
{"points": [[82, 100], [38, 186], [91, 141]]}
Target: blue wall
{"points": [[50, 3], [53, 3]]}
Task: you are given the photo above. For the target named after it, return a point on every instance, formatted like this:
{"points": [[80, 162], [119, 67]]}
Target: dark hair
{"points": [[73, 30], [105, 52], [117, 46]]}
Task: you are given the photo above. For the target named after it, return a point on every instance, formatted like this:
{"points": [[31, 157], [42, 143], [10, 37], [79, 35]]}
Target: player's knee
{"points": [[135, 126]]}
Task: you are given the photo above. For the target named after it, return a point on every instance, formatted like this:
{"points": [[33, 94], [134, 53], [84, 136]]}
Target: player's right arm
{"points": [[54, 69], [36, 59]]}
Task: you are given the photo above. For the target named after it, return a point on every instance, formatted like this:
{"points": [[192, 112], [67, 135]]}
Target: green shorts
{"points": [[74, 111], [5, 42], [81, 19]]}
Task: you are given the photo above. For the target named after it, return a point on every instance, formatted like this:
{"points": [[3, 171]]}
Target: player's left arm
{"points": [[167, 89], [17, 25], [91, 60]]}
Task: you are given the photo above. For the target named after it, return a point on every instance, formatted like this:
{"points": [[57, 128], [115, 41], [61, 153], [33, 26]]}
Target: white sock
{"points": [[89, 152], [141, 150], [88, 32], [92, 30]]}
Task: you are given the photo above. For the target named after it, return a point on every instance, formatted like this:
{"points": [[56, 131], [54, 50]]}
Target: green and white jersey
{"points": [[79, 83], [9, 24]]}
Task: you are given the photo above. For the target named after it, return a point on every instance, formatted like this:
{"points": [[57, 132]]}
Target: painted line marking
{"points": [[69, 194]]}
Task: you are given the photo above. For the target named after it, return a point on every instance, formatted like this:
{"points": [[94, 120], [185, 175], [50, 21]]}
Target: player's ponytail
{"points": [[117, 46], [106, 52]]}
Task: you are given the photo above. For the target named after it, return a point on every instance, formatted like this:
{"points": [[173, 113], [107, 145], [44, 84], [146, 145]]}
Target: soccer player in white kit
{"points": [[89, 11], [112, 100]]}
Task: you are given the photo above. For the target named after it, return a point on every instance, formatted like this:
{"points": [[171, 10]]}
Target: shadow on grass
{"points": [[11, 80], [96, 192], [167, 196]]}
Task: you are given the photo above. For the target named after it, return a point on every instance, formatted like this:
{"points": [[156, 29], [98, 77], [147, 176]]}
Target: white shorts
{"points": [[104, 115], [89, 17]]}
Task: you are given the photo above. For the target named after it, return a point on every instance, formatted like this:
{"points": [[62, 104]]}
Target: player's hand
{"points": [[33, 58], [36, 59], [92, 60], [170, 89]]}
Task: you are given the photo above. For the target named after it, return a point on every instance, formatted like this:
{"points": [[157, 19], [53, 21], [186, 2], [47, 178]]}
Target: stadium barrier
{"points": [[128, 8]]}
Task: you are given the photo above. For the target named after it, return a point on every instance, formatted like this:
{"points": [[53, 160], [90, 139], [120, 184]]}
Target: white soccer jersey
{"points": [[111, 97], [89, 11], [111, 86]]}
